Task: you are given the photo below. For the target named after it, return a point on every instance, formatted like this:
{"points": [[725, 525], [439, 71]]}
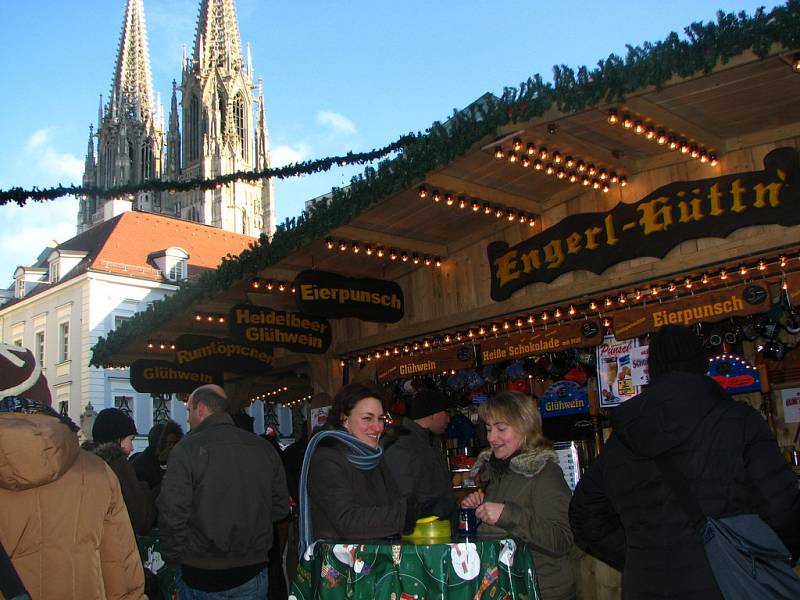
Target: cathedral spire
{"points": [[132, 87], [217, 39]]}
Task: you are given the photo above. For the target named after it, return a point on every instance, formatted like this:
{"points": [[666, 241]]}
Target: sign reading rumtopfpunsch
{"points": [[202, 352], [670, 215], [331, 295]]}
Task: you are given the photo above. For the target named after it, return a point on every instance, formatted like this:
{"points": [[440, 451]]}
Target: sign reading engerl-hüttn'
{"points": [[276, 328], [335, 296], [670, 215]]}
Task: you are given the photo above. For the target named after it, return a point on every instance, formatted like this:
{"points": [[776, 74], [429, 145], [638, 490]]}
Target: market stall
{"points": [[541, 236]]}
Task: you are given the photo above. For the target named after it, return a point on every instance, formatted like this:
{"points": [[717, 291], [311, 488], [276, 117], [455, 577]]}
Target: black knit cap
{"points": [[425, 403], [676, 348], [111, 425]]}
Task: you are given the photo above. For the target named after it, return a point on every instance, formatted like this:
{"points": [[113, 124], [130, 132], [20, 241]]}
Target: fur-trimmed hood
{"points": [[528, 463], [109, 452]]}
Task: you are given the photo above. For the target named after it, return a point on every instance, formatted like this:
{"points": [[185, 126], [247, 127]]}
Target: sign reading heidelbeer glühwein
{"points": [[435, 361], [165, 377], [266, 327], [331, 295], [745, 299], [660, 221], [202, 352], [572, 334]]}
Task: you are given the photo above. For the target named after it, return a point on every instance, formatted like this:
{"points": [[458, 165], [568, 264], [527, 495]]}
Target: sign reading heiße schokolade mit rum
{"points": [[670, 215], [266, 327]]}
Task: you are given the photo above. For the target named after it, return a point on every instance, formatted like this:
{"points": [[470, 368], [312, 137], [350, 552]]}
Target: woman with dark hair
{"points": [[346, 492], [526, 494]]}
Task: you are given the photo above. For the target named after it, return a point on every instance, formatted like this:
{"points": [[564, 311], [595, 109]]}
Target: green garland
{"points": [[21, 196], [650, 65]]}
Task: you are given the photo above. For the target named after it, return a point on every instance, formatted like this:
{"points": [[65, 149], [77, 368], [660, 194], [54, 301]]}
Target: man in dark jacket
{"points": [[625, 513], [222, 490], [413, 453]]}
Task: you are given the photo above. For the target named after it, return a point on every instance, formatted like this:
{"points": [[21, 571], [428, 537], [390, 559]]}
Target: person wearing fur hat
{"points": [[63, 521], [112, 440], [413, 453], [625, 513], [526, 494]]}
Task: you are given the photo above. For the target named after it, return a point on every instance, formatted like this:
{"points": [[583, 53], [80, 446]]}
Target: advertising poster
{"points": [[791, 405], [615, 371], [641, 375]]}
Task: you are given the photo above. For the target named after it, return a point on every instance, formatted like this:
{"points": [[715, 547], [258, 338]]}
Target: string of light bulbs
{"points": [[560, 165], [776, 266], [662, 137], [476, 205], [380, 251]]}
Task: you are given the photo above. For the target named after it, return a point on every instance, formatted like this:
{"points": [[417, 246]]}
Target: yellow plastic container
{"points": [[429, 528]]}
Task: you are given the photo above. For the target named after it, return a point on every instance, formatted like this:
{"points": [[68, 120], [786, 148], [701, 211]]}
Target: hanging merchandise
{"points": [[734, 374]]}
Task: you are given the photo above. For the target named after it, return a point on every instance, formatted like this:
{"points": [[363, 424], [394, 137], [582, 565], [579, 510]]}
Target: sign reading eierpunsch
{"points": [[202, 352], [672, 214], [745, 299], [434, 361], [331, 295], [572, 334], [165, 377], [266, 327]]}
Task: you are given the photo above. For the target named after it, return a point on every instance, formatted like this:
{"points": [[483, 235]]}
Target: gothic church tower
{"points": [[130, 137], [216, 132], [221, 134]]}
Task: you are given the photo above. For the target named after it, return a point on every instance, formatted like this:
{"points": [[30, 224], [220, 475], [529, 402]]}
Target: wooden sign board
{"points": [[165, 377], [745, 299], [572, 334], [435, 361], [270, 328], [202, 352]]}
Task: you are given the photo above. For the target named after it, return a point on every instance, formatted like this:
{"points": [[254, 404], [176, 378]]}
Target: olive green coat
{"points": [[536, 504]]}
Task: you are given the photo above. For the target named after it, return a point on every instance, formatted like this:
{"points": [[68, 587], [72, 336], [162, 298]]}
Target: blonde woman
{"points": [[526, 495]]}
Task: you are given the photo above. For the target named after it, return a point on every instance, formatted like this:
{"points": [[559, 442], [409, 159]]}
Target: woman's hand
{"points": [[489, 512], [473, 500]]}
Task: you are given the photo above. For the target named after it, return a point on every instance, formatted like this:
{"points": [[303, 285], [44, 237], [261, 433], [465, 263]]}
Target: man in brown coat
{"points": [[63, 522]]}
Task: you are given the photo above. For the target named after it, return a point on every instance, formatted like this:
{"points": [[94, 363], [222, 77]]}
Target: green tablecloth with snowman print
{"points": [[481, 569]]}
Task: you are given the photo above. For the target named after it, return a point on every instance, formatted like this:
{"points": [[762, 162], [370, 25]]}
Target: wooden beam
{"points": [[673, 122], [475, 190], [351, 232]]}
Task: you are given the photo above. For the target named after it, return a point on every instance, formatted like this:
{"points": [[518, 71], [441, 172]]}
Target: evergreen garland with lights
{"points": [[649, 65]]}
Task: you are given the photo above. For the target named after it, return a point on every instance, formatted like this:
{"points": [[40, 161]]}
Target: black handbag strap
{"points": [[10, 583]]}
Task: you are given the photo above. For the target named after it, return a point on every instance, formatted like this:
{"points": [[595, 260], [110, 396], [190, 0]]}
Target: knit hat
{"points": [[21, 375], [112, 424], [425, 403], [676, 348]]}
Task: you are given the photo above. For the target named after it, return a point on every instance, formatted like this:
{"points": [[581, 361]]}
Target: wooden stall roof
{"points": [[733, 105]]}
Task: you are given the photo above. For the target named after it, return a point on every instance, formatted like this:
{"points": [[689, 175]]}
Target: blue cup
{"points": [[467, 522]]}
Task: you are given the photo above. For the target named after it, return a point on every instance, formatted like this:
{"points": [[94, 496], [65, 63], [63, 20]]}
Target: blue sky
{"points": [[338, 76]]}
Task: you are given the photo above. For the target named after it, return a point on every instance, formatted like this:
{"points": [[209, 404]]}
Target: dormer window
{"points": [[177, 271], [172, 262], [54, 271], [19, 287]]}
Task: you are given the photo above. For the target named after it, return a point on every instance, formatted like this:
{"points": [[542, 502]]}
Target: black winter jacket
{"points": [[222, 490], [624, 513], [415, 460], [352, 504]]}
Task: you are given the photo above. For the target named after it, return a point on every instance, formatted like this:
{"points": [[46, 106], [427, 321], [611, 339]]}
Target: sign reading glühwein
{"points": [[744, 299], [670, 215], [164, 377], [202, 352], [435, 361], [266, 327], [331, 295], [572, 334]]}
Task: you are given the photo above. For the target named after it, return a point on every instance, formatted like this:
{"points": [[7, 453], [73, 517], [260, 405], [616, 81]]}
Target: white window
{"points": [[63, 342], [18, 342], [178, 270], [125, 404], [119, 320], [54, 271], [38, 345], [19, 287]]}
